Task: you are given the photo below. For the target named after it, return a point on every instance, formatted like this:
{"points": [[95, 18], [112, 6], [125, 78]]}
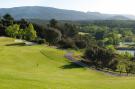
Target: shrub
{"points": [[40, 41]]}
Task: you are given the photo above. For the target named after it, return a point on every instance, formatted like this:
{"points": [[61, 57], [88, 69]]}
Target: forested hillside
{"points": [[48, 13]]}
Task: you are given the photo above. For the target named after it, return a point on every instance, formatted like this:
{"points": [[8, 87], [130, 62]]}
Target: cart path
{"points": [[70, 57]]}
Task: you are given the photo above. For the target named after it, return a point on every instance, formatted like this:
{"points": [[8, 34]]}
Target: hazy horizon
{"points": [[102, 6]]}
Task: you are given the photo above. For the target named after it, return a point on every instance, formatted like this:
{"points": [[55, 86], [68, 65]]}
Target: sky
{"points": [[103, 6]]}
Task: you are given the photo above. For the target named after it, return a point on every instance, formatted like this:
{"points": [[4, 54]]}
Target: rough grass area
{"points": [[42, 67]]}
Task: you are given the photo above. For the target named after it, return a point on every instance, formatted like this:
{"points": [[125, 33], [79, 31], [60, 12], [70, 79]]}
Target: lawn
{"points": [[42, 67]]}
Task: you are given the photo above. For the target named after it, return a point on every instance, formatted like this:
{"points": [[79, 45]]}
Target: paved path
{"points": [[70, 57]]}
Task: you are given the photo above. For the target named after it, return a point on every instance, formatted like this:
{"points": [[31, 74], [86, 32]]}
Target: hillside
{"points": [[118, 18], [47, 13], [48, 69]]}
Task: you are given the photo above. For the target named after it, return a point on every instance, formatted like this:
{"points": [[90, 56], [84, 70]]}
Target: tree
{"points": [[8, 20], [67, 43], [111, 48], [52, 35], [40, 30], [128, 67], [23, 23], [126, 32], [81, 41], [13, 30], [81, 44], [2, 28], [114, 38], [53, 23], [99, 57], [121, 67], [30, 33], [99, 35], [125, 65], [21, 34], [69, 30]]}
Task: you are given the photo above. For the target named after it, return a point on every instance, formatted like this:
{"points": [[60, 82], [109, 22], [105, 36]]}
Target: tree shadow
{"points": [[71, 66], [16, 44]]}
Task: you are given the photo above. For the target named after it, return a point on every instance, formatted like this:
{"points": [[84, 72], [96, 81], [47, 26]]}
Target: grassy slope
{"points": [[40, 67]]}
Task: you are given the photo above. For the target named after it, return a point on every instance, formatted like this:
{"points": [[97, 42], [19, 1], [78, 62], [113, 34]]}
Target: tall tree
{"points": [[52, 35], [21, 34], [30, 33], [53, 23], [69, 30], [8, 20], [2, 28], [23, 23]]}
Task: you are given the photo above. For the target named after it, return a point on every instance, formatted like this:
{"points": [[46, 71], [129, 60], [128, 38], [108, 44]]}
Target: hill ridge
{"points": [[47, 13]]}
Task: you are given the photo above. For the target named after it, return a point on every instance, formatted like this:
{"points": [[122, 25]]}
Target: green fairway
{"points": [[42, 67]]}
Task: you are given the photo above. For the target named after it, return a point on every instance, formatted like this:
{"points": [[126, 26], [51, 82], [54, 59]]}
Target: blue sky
{"points": [[104, 6]]}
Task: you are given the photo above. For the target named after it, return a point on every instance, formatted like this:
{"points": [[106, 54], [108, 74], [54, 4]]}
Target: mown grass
{"points": [[42, 67]]}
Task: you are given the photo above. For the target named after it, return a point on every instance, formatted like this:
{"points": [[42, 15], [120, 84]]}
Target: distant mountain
{"points": [[130, 17], [47, 13], [119, 17]]}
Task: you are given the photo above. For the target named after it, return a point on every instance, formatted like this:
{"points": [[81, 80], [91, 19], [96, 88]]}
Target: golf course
{"points": [[43, 67]]}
